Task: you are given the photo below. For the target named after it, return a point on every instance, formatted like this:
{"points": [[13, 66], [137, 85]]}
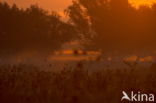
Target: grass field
{"points": [[27, 84]]}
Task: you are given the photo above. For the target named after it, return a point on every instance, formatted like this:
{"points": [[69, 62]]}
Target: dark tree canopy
{"points": [[32, 28], [116, 24]]}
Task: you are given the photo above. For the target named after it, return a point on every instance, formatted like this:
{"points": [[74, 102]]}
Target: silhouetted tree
{"points": [[116, 24], [32, 29]]}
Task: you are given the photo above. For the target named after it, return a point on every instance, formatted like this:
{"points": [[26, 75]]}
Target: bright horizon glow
{"points": [[137, 3]]}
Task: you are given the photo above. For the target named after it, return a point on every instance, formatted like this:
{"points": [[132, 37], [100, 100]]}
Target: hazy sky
{"points": [[59, 5]]}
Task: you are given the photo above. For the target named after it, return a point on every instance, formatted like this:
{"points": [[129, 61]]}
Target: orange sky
{"points": [[140, 2], [59, 5]]}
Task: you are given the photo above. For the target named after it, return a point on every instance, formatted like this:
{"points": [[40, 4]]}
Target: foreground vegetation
{"points": [[27, 84]]}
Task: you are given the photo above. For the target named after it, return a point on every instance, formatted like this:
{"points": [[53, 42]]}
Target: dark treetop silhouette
{"points": [[114, 24], [32, 28]]}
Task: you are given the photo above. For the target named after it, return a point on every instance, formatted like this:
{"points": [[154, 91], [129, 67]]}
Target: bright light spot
{"points": [[137, 3]]}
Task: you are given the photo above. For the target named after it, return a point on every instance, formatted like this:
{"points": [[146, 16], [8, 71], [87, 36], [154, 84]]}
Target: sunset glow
{"points": [[77, 51], [56, 5], [137, 3], [59, 5]]}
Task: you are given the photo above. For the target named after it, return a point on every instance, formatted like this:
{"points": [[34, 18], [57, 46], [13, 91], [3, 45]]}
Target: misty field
{"points": [[28, 84]]}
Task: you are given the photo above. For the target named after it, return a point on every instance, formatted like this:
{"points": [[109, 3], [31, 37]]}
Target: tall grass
{"points": [[28, 84]]}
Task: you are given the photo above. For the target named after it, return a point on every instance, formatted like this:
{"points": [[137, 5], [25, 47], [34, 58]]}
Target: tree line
{"points": [[102, 25], [32, 28]]}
